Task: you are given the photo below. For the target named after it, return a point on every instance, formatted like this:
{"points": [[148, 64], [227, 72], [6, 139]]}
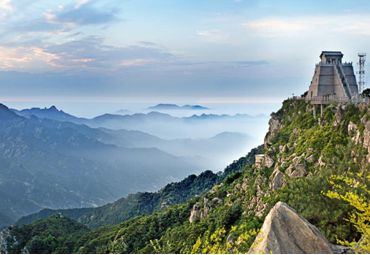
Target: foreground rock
{"points": [[284, 231]]}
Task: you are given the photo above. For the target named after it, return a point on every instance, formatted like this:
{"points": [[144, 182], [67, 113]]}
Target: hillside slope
{"points": [[301, 152], [134, 204]]}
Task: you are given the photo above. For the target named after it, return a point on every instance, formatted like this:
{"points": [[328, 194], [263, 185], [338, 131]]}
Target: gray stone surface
{"points": [[286, 232]]}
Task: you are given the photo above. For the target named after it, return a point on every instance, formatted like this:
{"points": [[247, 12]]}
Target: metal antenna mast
{"points": [[361, 72]]}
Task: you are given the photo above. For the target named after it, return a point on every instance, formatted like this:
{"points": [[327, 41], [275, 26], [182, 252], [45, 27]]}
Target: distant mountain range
{"points": [[160, 124], [52, 159], [177, 107]]}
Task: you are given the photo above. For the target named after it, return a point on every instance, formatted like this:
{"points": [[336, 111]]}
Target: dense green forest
{"points": [[303, 150]]}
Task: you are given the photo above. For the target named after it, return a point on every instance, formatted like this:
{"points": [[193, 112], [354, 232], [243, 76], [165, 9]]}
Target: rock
{"points": [[366, 142], [262, 160], [298, 170], [259, 160], [338, 116], [216, 201], [277, 180], [311, 159], [260, 205], [199, 212], [354, 132], [269, 162], [339, 249], [274, 126], [284, 231], [206, 208], [195, 213], [321, 161]]}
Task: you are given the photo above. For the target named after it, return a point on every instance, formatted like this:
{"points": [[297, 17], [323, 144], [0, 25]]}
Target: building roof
{"points": [[332, 53]]}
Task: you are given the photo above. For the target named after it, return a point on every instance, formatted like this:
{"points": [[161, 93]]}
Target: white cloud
{"points": [[79, 3], [213, 35], [136, 62], [309, 25], [6, 8], [26, 58]]}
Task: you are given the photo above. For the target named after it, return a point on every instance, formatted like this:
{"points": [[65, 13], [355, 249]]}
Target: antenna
{"points": [[361, 72]]}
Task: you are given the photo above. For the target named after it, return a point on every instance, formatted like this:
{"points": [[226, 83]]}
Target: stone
{"points": [[339, 249], [354, 132], [274, 127], [269, 162], [284, 231], [277, 180], [311, 159], [297, 171], [195, 213], [338, 116], [259, 160], [366, 142], [262, 160], [321, 161]]}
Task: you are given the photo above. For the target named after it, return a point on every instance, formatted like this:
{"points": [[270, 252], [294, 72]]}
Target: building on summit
{"points": [[333, 80]]}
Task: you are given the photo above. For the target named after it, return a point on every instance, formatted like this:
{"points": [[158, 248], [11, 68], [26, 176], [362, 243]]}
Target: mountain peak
{"points": [[6, 113], [3, 107], [53, 108]]}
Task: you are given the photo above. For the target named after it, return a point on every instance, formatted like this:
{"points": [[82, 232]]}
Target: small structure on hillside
{"points": [[259, 160], [333, 80]]}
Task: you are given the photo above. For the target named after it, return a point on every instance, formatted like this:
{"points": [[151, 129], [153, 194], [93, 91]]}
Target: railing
{"points": [[334, 99]]}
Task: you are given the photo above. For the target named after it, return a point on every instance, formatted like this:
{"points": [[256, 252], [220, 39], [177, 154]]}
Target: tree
{"points": [[366, 92], [354, 190]]}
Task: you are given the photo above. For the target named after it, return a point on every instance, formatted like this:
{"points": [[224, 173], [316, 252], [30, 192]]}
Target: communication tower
{"points": [[361, 72]]}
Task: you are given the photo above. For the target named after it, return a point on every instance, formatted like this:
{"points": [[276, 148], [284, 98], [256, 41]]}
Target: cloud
{"points": [[89, 53], [6, 7], [213, 35], [92, 53], [85, 13], [65, 18], [353, 24], [26, 59]]}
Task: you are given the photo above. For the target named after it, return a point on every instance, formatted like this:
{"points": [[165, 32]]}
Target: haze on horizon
{"points": [[166, 51]]}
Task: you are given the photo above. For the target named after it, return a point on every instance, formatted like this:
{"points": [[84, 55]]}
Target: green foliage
{"points": [[354, 190], [55, 234], [135, 204]]}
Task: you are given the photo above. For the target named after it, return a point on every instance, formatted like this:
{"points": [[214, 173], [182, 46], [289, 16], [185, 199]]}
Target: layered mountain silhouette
{"points": [[177, 107], [51, 159]]}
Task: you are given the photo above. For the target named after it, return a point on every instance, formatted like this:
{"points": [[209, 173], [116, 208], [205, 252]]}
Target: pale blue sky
{"points": [[189, 51]]}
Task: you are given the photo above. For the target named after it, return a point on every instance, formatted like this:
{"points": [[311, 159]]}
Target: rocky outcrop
{"points": [[338, 116], [200, 211], [277, 180], [274, 127], [256, 203], [6, 239], [298, 168], [354, 132], [262, 160], [284, 231], [366, 142]]}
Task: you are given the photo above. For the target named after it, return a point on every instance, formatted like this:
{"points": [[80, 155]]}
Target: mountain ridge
{"points": [[300, 154]]}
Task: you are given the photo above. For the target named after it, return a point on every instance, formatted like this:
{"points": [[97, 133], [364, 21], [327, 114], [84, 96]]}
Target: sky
{"points": [[170, 51]]}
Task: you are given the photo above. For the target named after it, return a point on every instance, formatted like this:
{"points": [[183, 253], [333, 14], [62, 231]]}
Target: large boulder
{"points": [[284, 231]]}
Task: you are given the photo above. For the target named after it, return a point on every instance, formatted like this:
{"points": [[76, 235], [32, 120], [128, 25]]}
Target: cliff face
{"points": [[301, 152]]}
